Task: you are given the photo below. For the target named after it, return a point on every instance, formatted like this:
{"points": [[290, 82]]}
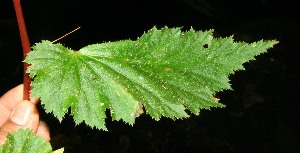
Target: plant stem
{"points": [[25, 46]]}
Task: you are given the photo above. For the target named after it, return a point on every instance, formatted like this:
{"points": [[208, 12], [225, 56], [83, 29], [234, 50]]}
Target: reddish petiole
{"points": [[25, 46]]}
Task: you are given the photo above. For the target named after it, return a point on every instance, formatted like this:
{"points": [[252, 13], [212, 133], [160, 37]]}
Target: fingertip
{"points": [[35, 101], [12, 97], [24, 115], [43, 131]]}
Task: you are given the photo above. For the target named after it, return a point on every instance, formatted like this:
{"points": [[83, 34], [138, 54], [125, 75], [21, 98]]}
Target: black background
{"points": [[262, 113]]}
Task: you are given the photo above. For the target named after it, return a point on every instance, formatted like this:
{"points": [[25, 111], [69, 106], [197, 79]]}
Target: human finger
{"points": [[11, 98], [24, 115], [43, 131]]}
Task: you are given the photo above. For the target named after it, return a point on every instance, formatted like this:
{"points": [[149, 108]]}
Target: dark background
{"points": [[262, 113]]}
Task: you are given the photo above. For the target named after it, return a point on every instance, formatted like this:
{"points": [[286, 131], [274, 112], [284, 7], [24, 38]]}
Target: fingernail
{"points": [[20, 114]]}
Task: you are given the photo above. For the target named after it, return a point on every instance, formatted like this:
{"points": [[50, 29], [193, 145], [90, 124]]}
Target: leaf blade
{"points": [[23, 140], [166, 71]]}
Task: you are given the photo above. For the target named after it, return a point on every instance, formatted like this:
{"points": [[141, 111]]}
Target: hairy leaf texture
{"points": [[165, 72], [24, 141]]}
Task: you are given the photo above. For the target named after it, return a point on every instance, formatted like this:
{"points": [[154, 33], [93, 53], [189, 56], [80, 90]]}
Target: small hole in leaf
{"points": [[205, 46]]}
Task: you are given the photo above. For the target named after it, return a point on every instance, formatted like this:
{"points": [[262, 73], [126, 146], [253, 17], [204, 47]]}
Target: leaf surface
{"points": [[24, 141], [164, 72]]}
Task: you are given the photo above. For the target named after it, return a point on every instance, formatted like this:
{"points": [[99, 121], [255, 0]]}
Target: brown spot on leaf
{"points": [[168, 69]]}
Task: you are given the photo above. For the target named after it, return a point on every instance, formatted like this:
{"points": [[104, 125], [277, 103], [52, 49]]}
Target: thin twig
{"points": [[65, 35], [25, 46]]}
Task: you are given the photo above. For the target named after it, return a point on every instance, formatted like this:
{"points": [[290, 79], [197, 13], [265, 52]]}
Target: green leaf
{"points": [[61, 150], [24, 141], [165, 71]]}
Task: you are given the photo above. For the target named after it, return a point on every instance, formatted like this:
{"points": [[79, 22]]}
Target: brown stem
{"points": [[25, 46]]}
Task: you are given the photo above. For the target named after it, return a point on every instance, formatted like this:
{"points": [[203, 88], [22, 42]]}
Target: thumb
{"points": [[24, 115]]}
